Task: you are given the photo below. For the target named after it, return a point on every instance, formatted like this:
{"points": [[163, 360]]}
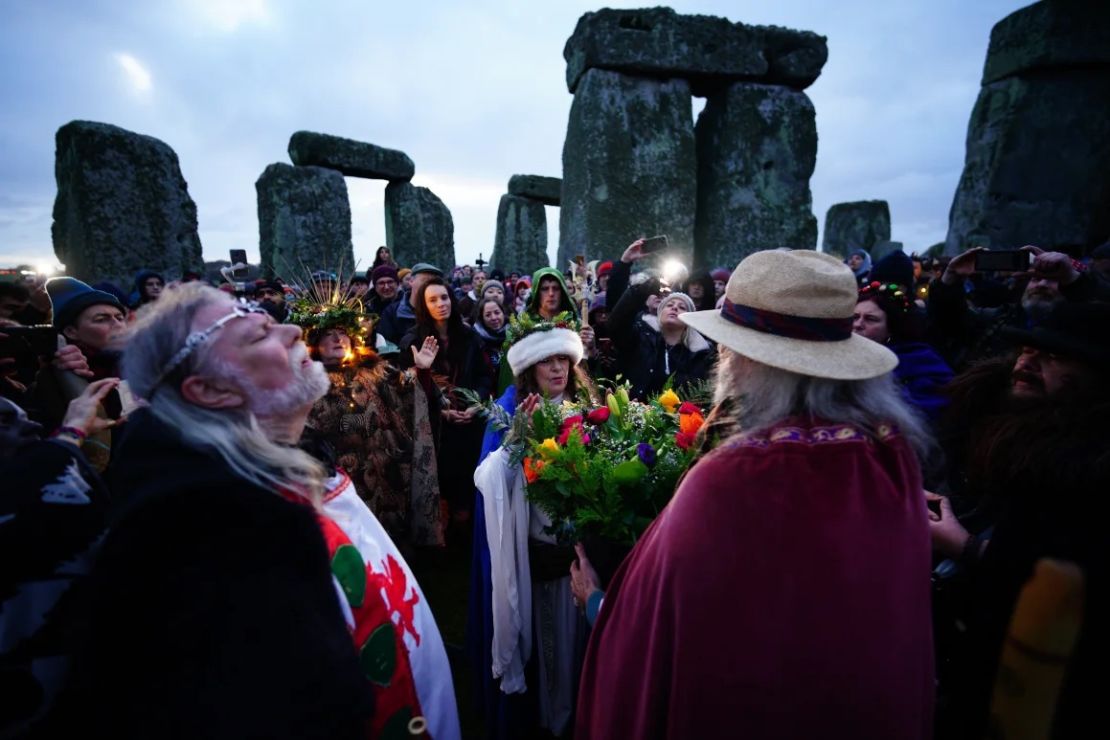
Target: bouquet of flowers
{"points": [[606, 471]]}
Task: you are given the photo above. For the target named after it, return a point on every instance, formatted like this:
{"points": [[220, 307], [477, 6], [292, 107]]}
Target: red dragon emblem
{"points": [[394, 583]]}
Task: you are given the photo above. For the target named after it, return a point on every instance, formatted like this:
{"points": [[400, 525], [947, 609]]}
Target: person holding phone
{"points": [[967, 334], [653, 346]]}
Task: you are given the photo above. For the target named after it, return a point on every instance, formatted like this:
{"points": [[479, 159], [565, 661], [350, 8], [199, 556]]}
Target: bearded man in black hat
{"points": [[1037, 472]]}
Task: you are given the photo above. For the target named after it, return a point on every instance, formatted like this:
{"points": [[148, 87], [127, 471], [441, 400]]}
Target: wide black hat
{"points": [[1072, 329]]}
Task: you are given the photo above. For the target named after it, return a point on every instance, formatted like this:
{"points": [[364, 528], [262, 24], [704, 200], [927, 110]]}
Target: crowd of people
{"points": [[212, 494]]}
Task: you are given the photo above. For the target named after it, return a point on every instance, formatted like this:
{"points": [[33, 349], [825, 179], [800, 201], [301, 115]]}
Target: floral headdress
{"points": [[889, 295]]}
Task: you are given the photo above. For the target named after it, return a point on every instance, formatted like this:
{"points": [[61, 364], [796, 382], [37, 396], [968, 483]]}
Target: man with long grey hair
{"points": [[785, 591], [213, 610]]}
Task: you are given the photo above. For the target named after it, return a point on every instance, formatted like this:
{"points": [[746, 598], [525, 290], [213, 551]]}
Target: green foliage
{"points": [[593, 478]]}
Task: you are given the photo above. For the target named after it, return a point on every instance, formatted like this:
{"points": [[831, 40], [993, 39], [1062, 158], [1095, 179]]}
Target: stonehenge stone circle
{"points": [[706, 50], [1037, 167], [858, 225], [544, 189], [629, 166], [352, 158], [418, 226], [304, 220], [756, 148], [122, 205], [521, 239]]}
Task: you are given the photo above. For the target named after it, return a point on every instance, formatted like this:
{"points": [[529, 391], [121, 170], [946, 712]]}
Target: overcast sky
{"points": [[474, 92]]}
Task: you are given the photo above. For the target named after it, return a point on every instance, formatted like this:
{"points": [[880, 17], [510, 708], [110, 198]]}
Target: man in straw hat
{"points": [[784, 592]]}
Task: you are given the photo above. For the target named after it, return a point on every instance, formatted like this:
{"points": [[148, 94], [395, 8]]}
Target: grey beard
{"points": [[1037, 309]]}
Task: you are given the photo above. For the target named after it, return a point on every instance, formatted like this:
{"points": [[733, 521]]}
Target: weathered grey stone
{"points": [[521, 240], [706, 50], [1049, 34], [353, 158], [628, 166], [858, 225], [544, 189], [757, 146], [1037, 169], [883, 248], [418, 226], [122, 205], [304, 220]]}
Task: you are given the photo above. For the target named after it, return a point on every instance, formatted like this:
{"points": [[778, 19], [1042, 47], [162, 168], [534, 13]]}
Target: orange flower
{"points": [[532, 469], [690, 423]]}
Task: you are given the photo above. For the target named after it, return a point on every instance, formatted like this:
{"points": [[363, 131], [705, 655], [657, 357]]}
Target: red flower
{"points": [[683, 440], [573, 421], [564, 436], [598, 416], [688, 408]]}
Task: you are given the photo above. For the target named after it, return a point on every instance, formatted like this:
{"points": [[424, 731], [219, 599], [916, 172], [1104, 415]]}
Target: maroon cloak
{"points": [[783, 593]]}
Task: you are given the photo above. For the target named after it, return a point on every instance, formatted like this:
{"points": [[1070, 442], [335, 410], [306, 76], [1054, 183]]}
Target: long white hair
{"points": [[765, 395], [233, 434]]}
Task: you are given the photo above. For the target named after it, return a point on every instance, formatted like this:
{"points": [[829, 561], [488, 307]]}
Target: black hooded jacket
{"points": [[213, 610]]}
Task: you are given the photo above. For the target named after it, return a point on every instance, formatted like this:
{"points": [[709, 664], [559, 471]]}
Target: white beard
{"points": [[310, 383]]}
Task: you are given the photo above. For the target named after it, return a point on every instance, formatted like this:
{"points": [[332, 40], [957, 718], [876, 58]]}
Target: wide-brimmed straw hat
{"points": [[793, 310]]}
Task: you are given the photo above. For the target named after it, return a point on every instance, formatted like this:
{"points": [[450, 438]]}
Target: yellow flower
{"points": [[670, 401], [549, 448]]}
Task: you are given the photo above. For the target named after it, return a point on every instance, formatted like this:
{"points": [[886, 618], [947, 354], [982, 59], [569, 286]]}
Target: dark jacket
{"points": [[397, 319], [923, 375], [1046, 466], [486, 361], [53, 511], [213, 610], [642, 354]]}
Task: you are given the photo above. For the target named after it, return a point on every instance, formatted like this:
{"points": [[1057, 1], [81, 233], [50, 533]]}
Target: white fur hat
{"points": [[541, 344]]}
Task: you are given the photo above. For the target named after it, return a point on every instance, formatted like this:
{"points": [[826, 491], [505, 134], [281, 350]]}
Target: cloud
{"points": [[227, 16], [136, 73]]}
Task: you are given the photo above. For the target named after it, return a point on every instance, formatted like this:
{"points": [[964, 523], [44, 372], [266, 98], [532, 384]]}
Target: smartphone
{"points": [[1003, 260], [654, 244], [239, 257], [29, 341]]}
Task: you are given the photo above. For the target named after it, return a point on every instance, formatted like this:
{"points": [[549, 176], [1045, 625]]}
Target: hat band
{"points": [[785, 325]]}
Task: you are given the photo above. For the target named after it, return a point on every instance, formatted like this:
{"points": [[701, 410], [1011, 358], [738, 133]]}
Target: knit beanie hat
{"points": [[69, 297], [720, 274], [383, 271], [671, 298], [492, 284], [896, 268]]}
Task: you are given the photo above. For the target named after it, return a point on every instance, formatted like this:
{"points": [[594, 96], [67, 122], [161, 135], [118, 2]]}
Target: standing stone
{"points": [[1037, 168], [705, 50], [304, 220], [858, 225], [521, 241], [122, 205], [757, 147], [352, 158], [628, 166], [547, 190], [418, 226], [883, 249]]}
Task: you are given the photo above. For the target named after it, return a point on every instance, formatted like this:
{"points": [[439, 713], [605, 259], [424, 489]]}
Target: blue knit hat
{"points": [[70, 297]]}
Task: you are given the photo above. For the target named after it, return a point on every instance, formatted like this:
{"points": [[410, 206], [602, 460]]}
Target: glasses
{"points": [[197, 338]]}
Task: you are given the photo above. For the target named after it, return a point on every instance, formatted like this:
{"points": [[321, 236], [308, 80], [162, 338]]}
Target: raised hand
{"points": [[961, 267], [634, 251], [427, 354]]}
